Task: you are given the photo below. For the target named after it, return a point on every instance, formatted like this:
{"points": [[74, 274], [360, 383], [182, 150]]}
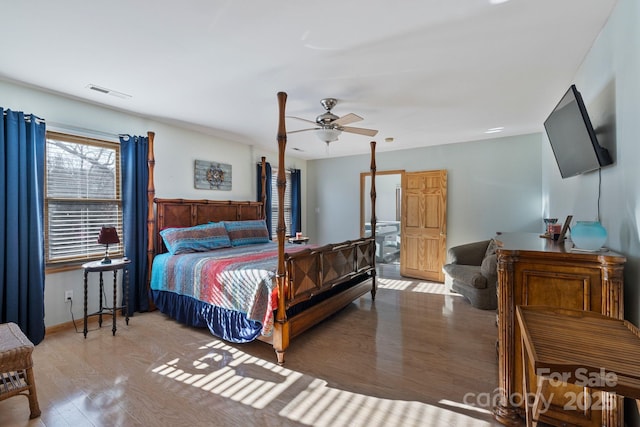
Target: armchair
{"points": [[472, 272]]}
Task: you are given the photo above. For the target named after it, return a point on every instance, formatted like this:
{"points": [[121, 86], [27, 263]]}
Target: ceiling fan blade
{"points": [[304, 120], [347, 119], [359, 131], [301, 130]]}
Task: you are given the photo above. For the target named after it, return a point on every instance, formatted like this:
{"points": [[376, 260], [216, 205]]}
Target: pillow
{"points": [[247, 232], [491, 248], [199, 238], [489, 267]]}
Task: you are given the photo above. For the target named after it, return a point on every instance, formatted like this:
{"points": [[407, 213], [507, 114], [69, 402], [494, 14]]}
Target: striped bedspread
{"points": [[239, 278]]}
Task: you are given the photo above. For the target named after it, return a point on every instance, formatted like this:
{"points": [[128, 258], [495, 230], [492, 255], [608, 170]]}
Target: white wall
{"points": [[386, 185], [493, 185], [609, 80], [176, 149]]}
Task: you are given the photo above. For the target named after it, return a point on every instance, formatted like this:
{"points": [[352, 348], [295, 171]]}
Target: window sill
{"points": [[74, 265]]}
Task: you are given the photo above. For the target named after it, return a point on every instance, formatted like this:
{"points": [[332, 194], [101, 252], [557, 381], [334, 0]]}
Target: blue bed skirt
{"points": [[229, 325]]}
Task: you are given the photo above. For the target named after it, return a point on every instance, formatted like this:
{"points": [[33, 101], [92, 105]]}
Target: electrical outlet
{"points": [[68, 296]]}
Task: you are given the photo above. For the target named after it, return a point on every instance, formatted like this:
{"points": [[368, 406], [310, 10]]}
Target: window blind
{"points": [[274, 202], [82, 194]]}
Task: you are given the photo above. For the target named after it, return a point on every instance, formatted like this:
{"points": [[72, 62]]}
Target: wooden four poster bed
{"points": [[304, 284]]}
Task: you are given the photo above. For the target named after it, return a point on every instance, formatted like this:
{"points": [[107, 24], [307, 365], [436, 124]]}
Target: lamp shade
{"points": [[327, 134], [108, 236]]}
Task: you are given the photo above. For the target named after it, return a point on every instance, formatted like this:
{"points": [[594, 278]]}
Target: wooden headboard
{"points": [[187, 213]]}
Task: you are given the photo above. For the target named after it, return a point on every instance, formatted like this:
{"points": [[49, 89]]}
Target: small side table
{"points": [[116, 264], [299, 240]]}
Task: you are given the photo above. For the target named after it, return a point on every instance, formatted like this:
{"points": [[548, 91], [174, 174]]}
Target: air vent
{"points": [[98, 89], [108, 91]]}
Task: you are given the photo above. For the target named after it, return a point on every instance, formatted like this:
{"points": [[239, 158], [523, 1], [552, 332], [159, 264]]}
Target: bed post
{"points": [[281, 327], [151, 193], [373, 218], [263, 186]]}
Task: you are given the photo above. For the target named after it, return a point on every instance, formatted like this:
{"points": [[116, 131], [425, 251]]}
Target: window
{"points": [[274, 203], [82, 193]]}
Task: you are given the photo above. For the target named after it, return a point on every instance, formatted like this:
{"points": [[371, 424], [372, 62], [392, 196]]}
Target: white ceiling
{"points": [[424, 72]]}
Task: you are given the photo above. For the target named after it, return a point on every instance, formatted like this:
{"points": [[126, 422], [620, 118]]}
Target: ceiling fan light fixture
{"points": [[328, 134], [329, 127]]}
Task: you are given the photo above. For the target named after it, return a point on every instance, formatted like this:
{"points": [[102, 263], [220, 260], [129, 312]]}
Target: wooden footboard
{"points": [[312, 273]]}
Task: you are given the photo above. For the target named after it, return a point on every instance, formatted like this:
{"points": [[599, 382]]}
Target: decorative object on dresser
{"points": [[565, 228], [556, 231], [471, 272], [548, 223], [588, 235], [534, 271]]}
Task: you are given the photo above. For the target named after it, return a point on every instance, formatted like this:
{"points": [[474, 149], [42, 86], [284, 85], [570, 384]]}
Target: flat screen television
{"points": [[572, 137]]}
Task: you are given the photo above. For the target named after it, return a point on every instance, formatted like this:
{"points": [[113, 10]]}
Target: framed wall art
{"points": [[212, 175]]}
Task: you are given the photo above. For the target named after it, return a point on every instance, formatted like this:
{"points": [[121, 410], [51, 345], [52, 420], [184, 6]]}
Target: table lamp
{"points": [[108, 235]]}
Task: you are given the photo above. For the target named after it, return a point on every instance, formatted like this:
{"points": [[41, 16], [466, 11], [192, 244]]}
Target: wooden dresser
{"points": [[538, 271]]}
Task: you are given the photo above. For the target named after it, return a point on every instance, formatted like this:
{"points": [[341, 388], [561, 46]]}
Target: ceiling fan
{"points": [[328, 126]]}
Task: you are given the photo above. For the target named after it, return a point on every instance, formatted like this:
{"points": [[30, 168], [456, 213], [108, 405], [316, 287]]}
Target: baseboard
{"points": [[61, 327]]}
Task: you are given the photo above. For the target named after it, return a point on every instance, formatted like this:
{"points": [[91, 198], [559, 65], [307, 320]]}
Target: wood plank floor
{"points": [[414, 357]]}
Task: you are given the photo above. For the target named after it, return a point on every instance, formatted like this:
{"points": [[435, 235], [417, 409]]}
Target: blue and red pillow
{"points": [[248, 232], [199, 238]]}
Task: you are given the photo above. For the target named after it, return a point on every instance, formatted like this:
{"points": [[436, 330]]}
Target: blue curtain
{"points": [[135, 176], [296, 205], [22, 143], [267, 208]]}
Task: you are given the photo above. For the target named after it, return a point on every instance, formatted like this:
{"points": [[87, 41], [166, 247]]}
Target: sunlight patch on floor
{"points": [[413, 286], [431, 288], [230, 373], [320, 405], [394, 284], [465, 406]]}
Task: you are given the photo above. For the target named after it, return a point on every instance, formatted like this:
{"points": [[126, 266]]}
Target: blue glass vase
{"points": [[588, 235]]}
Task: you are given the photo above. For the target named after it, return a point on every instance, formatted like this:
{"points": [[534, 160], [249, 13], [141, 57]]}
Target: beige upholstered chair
{"points": [[16, 366]]}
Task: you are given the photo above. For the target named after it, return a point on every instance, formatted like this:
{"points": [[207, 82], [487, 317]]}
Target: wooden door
{"points": [[424, 225]]}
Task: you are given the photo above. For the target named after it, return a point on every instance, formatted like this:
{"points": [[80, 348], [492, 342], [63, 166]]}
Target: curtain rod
{"points": [[27, 116], [83, 131], [291, 168], [75, 129]]}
